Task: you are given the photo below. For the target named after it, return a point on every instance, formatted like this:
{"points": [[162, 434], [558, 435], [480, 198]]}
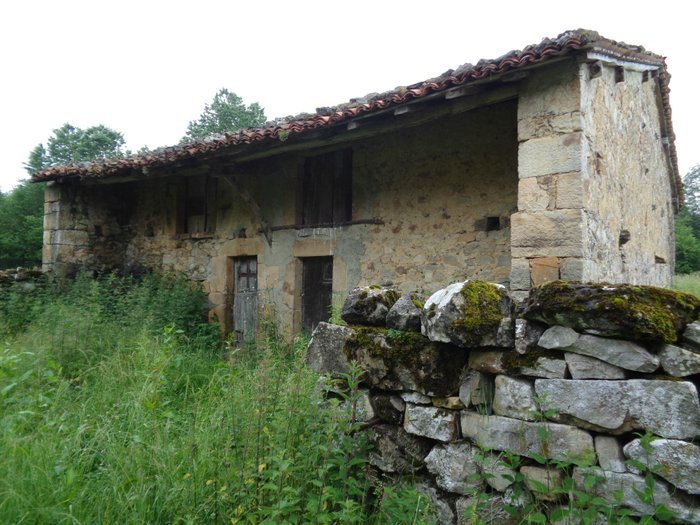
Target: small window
{"points": [[199, 205], [326, 189]]}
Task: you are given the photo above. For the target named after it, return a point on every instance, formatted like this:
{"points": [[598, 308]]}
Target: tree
{"points": [[21, 225], [688, 225], [227, 113], [70, 144]]}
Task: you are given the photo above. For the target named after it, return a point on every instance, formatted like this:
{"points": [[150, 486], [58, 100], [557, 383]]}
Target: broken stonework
{"points": [[526, 439], [643, 313], [455, 467], [544, 483], [514, 398], [539, 363], [325, 353], [405, 361], [405, 315], [628, 486], [434, 423], [584, 367], [396, 451], [388, 407], [666, 408], [527, 334], [624, 354], [676, 461], [610, 455], [368, 305], [470, 314], [679, 362]]}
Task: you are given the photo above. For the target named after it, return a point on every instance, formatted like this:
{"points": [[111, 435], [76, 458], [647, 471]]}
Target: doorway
{"points": [[245, 298], [317, 291]]}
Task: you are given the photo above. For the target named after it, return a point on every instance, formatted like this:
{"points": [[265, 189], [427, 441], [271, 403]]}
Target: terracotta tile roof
{"points": [[282, 129]]}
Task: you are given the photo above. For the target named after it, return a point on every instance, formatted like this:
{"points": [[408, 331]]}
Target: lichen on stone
{"points": [[638, 313]]}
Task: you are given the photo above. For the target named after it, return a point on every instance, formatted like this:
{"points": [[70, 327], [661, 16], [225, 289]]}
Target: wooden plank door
{"points": [[245, 298], [317, 291]]}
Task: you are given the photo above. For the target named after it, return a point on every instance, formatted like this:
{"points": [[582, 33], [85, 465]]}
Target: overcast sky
{"points": [[146, 68]]}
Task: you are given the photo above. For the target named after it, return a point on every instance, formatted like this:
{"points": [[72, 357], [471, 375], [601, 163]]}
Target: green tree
{"points": [[21, 225], [226, 113], [70, 144], [688, 225]]}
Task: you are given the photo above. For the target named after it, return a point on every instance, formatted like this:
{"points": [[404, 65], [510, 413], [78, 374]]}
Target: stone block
{"points": [[416, 398], [514, 398], [499, 476], [584, 367], [325, 351], [547, 125], [679, 362], [553, 92], [451, 403], [544, 270], [623, 489], [563, 442], [569, 191], [520, 274], [527, 334], [678, 462], [667, 408], [431, 422], [545, 483], [557, 233], [534, 194], [455, 467], [550, 155], [539, 363], [388, 407], [609, 452], [623, 354]]}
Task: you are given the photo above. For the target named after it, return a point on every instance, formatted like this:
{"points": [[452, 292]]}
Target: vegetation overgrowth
{"points": [[689, 283], [118, 404]]}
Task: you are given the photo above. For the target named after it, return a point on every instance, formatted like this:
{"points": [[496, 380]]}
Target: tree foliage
{"points": [[226, 113], [688, 225], [70, 144], [21, 225]]}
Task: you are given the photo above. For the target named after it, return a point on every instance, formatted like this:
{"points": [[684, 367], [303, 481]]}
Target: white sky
{"points": [[147, 67]]}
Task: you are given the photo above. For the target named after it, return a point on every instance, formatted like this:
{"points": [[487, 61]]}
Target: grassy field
{"points": [[688, 283], [117, 405]]}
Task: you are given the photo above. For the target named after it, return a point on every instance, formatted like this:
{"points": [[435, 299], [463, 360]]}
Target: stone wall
{"points": [[594, 197], [484, 405], [629, 232], [431, 188]]}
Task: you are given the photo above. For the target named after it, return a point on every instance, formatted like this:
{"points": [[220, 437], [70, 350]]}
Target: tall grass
{"points": [[118, 405], [689, 282]]}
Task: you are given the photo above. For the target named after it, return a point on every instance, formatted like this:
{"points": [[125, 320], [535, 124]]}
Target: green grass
{"points": [[117, 405], [689, 283]]}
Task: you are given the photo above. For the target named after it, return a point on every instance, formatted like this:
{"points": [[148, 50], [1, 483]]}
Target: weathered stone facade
{"points": [[560, 171]]}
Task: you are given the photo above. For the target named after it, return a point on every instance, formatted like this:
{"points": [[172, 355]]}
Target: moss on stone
{"points": [[401, 347], [482, 310], [644, 313]]}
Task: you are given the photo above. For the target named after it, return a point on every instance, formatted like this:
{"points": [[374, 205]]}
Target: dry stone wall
{"points": [[488, 406]]}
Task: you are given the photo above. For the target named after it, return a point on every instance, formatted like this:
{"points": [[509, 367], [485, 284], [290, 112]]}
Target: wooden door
{"points": [[317, 291], [245, 298]]}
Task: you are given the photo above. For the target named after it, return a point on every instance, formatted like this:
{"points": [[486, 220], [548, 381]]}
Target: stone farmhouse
{"points": [[556, 161]]}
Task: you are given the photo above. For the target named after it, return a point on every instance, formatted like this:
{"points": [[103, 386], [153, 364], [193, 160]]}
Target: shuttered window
{"points": [[327, 189]]}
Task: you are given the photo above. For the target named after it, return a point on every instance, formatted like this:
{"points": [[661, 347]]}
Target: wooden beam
{"points": [[232, 180]]}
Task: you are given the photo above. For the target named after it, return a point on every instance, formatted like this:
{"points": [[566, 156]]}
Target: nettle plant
{"points": [[561, 499]]}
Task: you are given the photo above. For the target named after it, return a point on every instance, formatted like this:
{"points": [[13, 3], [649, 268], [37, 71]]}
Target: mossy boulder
{"points": [[369, 305], [638, 313], [394, 360], [470, 314]]}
